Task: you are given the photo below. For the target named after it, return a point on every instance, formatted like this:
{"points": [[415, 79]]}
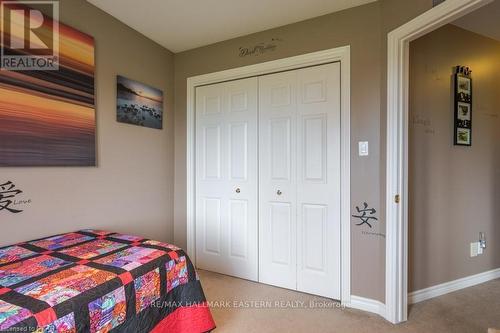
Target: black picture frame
{"points": [[462, 106]]}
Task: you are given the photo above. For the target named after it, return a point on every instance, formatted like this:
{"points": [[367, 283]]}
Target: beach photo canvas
{"points": [[138, 104], [47, 117]]}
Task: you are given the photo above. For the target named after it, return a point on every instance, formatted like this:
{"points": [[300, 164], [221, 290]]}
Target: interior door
{"points": [[226, 178], [318, 180], [277, 179]]}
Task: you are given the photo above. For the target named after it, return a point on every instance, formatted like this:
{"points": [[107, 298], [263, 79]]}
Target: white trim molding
{"points": [[367, 304], [455, 285], [397, 146], [340, 54]]}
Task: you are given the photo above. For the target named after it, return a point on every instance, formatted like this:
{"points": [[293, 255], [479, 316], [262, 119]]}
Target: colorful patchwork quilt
{"points": [[98, 281]]}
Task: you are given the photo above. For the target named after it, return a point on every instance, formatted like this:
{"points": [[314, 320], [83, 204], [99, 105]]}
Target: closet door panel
{"points": [[212, 158], [315, 233], [318, 180], [226, 178], [238, 151], [211, 213], [280, 219], [277, 179], [209, 170]]}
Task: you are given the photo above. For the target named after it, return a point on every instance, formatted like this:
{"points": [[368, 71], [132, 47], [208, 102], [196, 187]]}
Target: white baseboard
{"points": [[448, 287], [367, 304]]}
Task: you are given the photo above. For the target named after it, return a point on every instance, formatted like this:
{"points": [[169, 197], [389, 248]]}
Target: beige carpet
{"points": [[243, 306]]}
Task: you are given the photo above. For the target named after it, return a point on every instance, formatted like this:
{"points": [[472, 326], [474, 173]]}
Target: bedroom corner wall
{"points": [[131, 189]]}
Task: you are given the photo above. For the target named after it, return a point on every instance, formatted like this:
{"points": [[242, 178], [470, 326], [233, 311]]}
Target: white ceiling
{"points": [[181, 25], [484, 21]]}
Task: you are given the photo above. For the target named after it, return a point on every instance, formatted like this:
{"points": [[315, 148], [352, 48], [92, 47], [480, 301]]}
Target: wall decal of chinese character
{"points": [[463, 106], [8, 193], [365, 215], [47, 115]]}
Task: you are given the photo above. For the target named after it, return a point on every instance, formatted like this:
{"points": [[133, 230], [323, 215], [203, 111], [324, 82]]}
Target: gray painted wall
{"points": [[131, 189], [454, 191]]}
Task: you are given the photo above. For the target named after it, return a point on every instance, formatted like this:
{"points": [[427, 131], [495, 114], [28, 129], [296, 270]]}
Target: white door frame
{"points": [[396, 276], [340, 54]]}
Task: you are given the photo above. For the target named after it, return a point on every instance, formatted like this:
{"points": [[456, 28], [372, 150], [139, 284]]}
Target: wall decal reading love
{"points": [[9, 198]]}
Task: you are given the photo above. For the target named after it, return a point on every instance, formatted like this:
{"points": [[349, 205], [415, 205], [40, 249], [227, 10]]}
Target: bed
{"points": [[99, 281]]}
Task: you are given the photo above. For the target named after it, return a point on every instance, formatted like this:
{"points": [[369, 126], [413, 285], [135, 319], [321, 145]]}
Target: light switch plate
{"points": [[363, 148]]}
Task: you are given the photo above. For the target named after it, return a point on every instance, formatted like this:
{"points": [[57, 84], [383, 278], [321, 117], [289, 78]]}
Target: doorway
{"points": [[397, 146]]}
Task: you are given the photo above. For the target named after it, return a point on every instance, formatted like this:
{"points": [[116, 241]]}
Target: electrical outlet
{"points": [[474, 249]]}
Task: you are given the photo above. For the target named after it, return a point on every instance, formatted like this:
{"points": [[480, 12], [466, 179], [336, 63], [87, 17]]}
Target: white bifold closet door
{"points": [[299, 180], [226, 178]]}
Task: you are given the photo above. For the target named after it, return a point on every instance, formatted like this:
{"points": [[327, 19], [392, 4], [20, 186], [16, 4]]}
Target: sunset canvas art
{"points": [[47, 117]]}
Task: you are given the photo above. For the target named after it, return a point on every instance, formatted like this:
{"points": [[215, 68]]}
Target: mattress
{"points": [[99, 281]]}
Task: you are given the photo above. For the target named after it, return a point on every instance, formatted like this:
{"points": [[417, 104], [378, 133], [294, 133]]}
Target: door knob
{"points": [[238, 190], [279, 192]]}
